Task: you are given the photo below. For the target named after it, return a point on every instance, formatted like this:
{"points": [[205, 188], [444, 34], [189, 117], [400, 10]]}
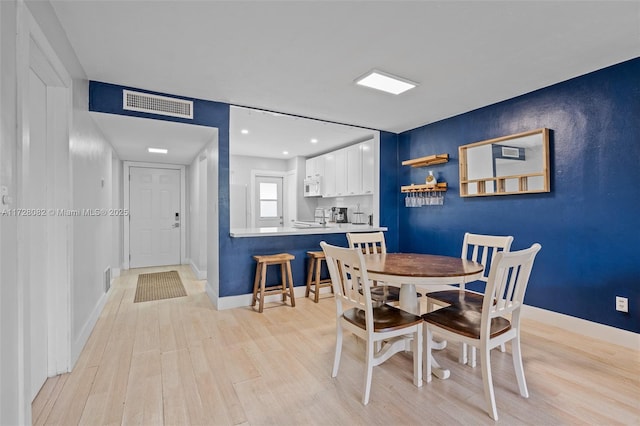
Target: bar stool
{"points": [[260, 290], [313, 275]]}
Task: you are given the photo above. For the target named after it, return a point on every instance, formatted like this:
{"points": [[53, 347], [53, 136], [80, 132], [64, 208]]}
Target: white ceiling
{"points": [[302, 57], [270, 134], [131, 136]]}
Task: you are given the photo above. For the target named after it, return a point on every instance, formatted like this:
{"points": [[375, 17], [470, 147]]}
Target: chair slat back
{"points": [[348, 274], [483, 249], [507, 283], [368, 242]]}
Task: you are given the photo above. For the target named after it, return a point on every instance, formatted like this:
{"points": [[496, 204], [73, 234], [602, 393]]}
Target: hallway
{"points": [[179, 361]]}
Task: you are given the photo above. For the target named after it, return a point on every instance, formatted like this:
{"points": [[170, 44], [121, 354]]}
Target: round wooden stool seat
{"points": [[285, 288], [314, 282]]}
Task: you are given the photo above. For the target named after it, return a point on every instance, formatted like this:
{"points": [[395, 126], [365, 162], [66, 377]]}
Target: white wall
{"points": [[197, 223], [93, 236], [305, 206], [10, 356], [117, 201], [213, 244], [95, 242], [240, 167]]}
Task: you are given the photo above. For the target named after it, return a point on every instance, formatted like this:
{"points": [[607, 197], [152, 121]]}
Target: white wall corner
{"points": [[592, 329], [213, 295], [200, 275]]}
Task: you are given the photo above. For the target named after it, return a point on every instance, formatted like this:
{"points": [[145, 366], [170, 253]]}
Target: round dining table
{"points": [[406, 270]]}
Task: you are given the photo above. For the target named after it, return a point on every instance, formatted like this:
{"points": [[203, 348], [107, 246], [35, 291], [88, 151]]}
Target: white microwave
{"points": [[312, 187]]}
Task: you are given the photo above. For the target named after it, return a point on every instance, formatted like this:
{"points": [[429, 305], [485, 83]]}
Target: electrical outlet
{"points": [[622, 304]]}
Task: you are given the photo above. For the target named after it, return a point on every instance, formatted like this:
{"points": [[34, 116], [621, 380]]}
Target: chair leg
{"points": [[503, 348], [489, 396], [472, 356], [462, 357], [417, 355], [428, 343], [368, 372], [336, 358], [517, 365]]}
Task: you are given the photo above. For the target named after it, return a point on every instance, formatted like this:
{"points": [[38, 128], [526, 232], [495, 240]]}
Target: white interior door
{"points": [[268, 202], [36, 188], [155, 219]]}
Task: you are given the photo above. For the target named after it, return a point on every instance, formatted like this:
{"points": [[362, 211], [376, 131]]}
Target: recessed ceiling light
{"points": [[314, 140], [158, 150], [285, 152], [386, 82], [244, 131]]}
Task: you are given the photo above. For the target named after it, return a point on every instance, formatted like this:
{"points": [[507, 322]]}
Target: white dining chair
{"points": [[488, 328], [384, 329], [478, 248]]}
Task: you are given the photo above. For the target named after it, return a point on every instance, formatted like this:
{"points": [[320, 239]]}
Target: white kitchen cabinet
{"points": [[329, 177], [354, 169], [341, 172], [314, 167], [345, 172], [368, 166]]}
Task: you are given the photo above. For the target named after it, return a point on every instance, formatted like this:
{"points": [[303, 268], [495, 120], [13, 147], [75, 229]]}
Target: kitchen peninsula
{"points": [[281, 231]]}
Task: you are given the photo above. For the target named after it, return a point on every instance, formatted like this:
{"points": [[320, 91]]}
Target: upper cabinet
{"points": [[368, 165], [354, 170], [314, 167], [347, 171], [329, 176]]}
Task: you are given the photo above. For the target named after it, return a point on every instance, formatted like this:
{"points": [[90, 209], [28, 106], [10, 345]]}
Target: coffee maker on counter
{"points": [[339, 214]]}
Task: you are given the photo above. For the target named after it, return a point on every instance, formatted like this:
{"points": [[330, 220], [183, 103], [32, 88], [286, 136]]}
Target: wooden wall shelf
{"points": [[441, 187], [427, 161]]}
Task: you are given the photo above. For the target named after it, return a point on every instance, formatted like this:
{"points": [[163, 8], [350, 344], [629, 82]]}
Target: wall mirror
{"points": [[514, 164]]}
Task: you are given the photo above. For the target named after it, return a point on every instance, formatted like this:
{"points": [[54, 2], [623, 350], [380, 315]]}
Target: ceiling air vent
{"points": [[154, 104]]}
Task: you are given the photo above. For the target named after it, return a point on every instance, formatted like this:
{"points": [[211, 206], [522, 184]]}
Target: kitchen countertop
{"points": [[331, 228]]}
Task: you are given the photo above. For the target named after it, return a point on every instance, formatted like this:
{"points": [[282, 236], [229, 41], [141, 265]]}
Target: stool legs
{"points": [[312, 263], [290, 279], [317, 280], [314, 282], [285, 288], [256, 282]]}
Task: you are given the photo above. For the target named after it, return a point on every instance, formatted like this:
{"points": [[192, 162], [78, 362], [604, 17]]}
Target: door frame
{"points": [[183, 200], [59, 263], [252, 192]]}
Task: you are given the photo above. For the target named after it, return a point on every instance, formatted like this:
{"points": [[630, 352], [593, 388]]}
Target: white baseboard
{"points": [[200, 275], [115, 273], [213, 295], [87, 328], [592, 329]]}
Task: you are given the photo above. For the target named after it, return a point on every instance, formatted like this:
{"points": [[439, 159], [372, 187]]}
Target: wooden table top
{"points": [[420, 265]]}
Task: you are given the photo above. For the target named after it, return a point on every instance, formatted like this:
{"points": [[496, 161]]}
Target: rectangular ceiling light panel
{"points": [[386, 82], [155, 104]]}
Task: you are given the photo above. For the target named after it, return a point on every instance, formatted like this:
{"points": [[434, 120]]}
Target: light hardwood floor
{"points": [[180, 362]]}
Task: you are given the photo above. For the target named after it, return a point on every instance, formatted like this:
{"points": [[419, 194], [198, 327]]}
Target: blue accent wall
{"points": [[588, 224]]}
